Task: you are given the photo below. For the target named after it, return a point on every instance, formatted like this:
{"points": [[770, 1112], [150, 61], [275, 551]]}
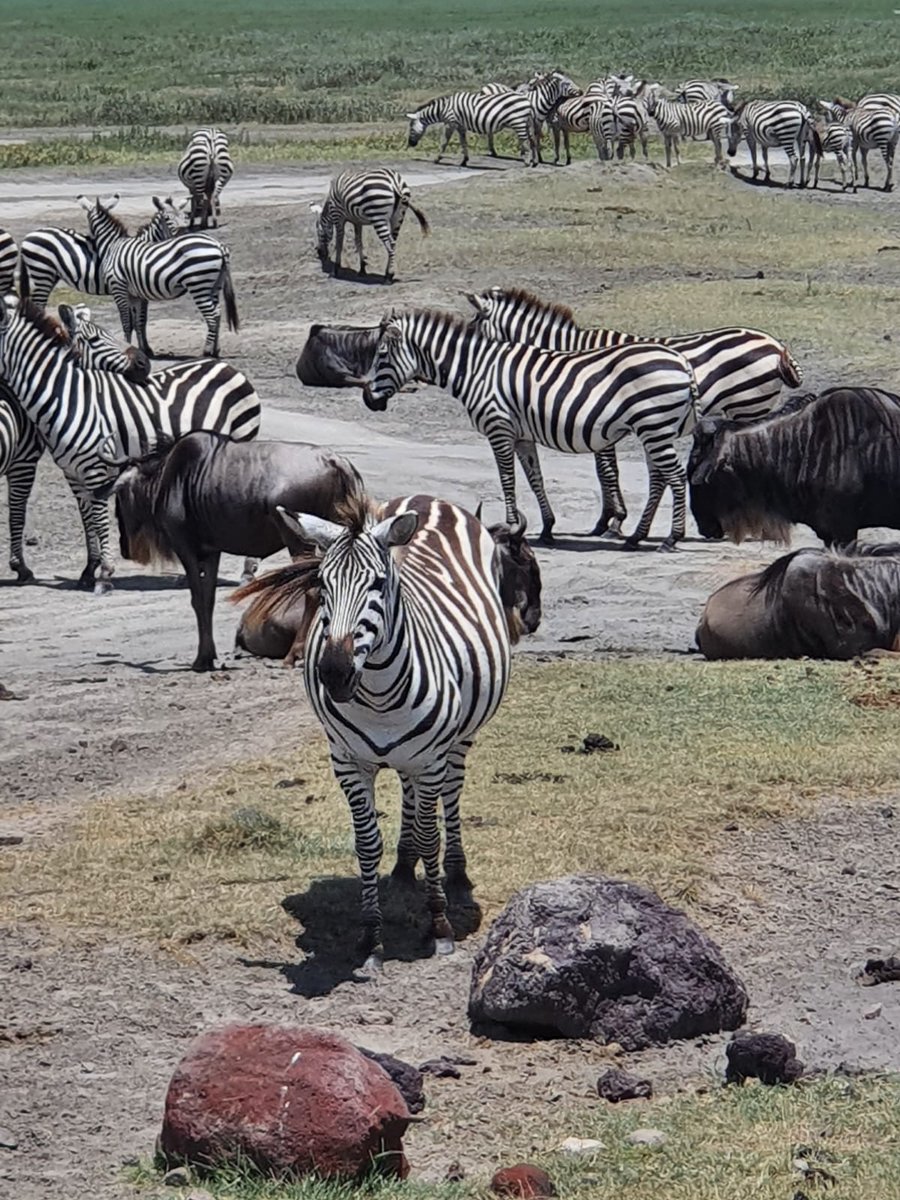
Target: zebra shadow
{"points": [[329, 913], [349, 275], [760, 181]]}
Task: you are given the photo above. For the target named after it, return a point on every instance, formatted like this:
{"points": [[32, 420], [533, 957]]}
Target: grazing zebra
{"points": [[474, 112], [572, 116], [204, 170], [193, 264], [77, 411], [51, 256], [785, 124], [517, 396], [739, 372], [9, 256], [20, 449], [621, 120], [871, 128], [373, 196], [695, 91], [707, 120], [833, 136], [407, 658]]}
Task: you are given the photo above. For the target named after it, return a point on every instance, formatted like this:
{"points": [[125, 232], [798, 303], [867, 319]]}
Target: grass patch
{"points": [[701, 745]]}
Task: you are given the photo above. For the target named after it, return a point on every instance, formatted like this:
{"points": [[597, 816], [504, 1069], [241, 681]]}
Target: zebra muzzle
{"points": [[337, 671], [372, 402]]}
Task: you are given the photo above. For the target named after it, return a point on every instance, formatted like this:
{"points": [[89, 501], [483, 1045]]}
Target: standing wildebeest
{"points": [[812, 602], [276, 623], [206, 496], [337, 355], [834, 466]]}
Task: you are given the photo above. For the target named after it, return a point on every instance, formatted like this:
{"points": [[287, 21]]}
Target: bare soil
{"points": [[90, 1031]]}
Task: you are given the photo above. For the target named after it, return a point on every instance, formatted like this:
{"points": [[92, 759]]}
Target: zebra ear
{"points": [[311, 529], [396, 531], [479, 510], [110, 203], [412, 116], [85, 203], [477, 302]]}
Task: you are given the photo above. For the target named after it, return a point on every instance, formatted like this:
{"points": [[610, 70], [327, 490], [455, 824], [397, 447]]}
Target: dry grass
{"points": [[701, 745]]}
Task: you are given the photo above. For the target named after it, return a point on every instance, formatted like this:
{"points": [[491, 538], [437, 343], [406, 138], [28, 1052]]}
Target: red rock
{"points": [[292, 1100], [522, 1180]]}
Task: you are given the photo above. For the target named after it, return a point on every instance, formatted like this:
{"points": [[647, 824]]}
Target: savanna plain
{"points": [[176, 853]]}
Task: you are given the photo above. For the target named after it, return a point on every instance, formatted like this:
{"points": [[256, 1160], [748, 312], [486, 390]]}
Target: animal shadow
{"points": [[329, 912], [349, 275]]}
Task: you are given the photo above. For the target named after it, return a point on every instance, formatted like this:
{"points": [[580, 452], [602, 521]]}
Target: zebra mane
{"points": [[521, 296], [44, 323], [118, 223]]}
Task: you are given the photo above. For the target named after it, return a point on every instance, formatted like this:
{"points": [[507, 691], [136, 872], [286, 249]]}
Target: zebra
{"points": [[871, 128], [572, 116], [889, 100], [20, 450], [833, 136], [739, 372], [622, 120], [51, 256], [373, 196], [695, 91], [204, 169], [407, 658], [708, 120], [463, 112], [786, 124], [78, 411], [9, 257], [193, 263], [518, 395], [545, 90]]}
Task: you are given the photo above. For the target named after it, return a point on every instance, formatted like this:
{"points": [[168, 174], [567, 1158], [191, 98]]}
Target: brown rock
{"points": [[615, 1086], [291, 1100], [523, 1179]]}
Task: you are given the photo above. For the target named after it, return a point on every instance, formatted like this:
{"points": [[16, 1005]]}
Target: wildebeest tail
{"points": [[789, 369], [231, 312]]}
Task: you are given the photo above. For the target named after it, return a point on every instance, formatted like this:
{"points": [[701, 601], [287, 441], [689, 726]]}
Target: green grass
{"points": [[99, 62], [739, 1143], [702, 745]]}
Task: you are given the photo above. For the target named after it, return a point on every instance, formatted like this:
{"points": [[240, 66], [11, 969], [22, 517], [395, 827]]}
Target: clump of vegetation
{"points": [[242, 829]]}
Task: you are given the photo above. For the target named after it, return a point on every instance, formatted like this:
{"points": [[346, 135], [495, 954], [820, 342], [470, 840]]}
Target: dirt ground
{"points": [[89, 1033]]}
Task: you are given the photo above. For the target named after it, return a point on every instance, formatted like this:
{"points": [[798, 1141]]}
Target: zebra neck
{"points": [[453, 357], [106, 235], [56, 396]]}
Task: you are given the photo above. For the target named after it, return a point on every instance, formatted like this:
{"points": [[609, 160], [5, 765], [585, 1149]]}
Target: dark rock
{"points": [[290, 1101], [447, 1066], [455, 1173], [615, 1086], [768, 1057], [597, 743], [406, 1078], [591, 957], [879, 970], [522, 1180]]}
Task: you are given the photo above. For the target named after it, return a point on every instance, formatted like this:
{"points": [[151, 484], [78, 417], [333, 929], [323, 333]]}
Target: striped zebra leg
{"points": [[19, 482], [404, 872], [95, 521], [210, 310], [527, 454], [889, 165], [388, 238], [360, 250], [427, 789], [455, 872], [502, 444], [614, 512], [357, 782], [665, 470], [338, 247]]}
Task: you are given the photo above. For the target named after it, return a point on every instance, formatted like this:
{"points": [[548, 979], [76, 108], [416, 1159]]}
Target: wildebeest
{"points": [[205, 496], [834, 466], [337, 355], [277, 621], [814, 603]]}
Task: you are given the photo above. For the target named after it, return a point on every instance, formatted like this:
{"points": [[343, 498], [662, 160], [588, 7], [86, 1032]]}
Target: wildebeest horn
{"points": [[478, 510], [517, 530]]}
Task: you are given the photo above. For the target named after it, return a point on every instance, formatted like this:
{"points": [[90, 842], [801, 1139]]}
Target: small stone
{"points": [[177, 1177], [886, 810], [11, 839], [615, 1086], [871, 1013], [375, 1018], [8, 1140], [576, 1145], [848, 870], [651, 1138], [523, 1180], [455, 1173]]}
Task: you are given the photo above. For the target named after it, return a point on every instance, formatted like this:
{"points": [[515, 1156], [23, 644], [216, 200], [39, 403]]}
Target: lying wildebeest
{"points": [[834, 466], [814, 603], [277, 621], [337, 355], [205, 496]]}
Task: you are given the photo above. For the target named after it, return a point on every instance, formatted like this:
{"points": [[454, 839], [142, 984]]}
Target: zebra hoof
{"points": [[389, 279], [373, 967], [631, 543], [667, 547], [102, 587], [23, 574], [444, 946]]}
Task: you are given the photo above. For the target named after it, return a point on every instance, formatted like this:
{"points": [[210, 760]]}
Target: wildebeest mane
{"points": [[276, 591]]}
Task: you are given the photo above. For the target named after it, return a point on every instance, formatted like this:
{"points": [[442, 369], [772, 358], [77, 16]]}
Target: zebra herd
{"points": [[618, 111]]}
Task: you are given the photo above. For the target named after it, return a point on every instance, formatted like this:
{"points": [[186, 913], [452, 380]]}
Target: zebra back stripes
{"points": [[204, 169], [873, 128], [621, 120], [518, 396], [375, 196], [739, 372], [193, 264], [407, 658], [785, 124], [474, 112]]}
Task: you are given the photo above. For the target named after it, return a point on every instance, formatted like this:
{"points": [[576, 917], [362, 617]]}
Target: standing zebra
{"points": [[20, 449], [889, 100], [204, 170], [695, 91], [833, 136], [76, 411], [873, 127], [193, 264], [474, 112], [785, 124], [572, 116], [739, 372], [545, 91], [517, 396], [406, 659], [373, 196], [708, 120], [621, 120], [9, 257]]}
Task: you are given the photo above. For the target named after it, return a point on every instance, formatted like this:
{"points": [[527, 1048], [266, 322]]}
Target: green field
{"points": [[99, 62]]}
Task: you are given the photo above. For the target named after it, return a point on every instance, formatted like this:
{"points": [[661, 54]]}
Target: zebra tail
{"points": [[231, 312], [422, 219], [24, 280], [789, 369]]}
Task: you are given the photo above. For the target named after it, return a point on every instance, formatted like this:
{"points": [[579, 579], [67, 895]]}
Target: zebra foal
{"points": [[204, 169], [378, 197], [475, 112], [408, 656]]}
